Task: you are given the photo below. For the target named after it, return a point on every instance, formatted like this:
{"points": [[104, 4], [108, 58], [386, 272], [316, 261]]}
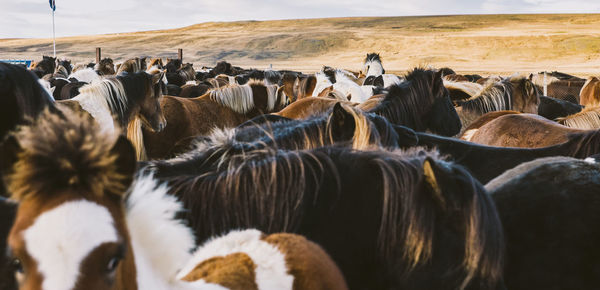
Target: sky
{"points": [[33, 18]]}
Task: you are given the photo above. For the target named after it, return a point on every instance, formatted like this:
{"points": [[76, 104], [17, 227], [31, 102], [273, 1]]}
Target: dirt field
{"points": [[489, 44]]}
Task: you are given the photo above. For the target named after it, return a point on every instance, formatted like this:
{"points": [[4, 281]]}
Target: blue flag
{"points": [[52, 5]]}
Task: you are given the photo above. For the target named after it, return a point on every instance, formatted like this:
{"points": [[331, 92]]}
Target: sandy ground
{"points": [[487, 44]]}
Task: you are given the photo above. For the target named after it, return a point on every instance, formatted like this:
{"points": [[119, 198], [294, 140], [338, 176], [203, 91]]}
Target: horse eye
{"points": [[17, 266], [112, 264]]}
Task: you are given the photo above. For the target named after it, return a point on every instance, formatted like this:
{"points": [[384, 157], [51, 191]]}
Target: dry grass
{"points": [[495, 44]]}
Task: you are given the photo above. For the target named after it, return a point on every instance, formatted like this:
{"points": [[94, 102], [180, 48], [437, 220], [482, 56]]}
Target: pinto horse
{"points": [[126, 102], [219, 108], [130, 239], [549, 212]]}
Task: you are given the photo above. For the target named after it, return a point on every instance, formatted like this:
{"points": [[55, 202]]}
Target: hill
{"points": [[500, 44]]}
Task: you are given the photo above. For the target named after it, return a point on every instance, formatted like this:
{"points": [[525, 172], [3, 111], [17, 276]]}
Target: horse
{"points": [[552, 108], [590, 93], [218, 108], [421, 103], [105, 67], [521, 130], [125, 102], [310, 107], [172, 65], [488, 162], [187, 72], [342, 126], [21, 97], [462, 90], [46, 66], [549, 212], [63, 69], [372, 65], [155, 63], [513, 93], [70, 90], [193, 91], [130, 238], [397, 236], [588, 118], [7, 215], [133, 65], [87, 75], [352, 91]]}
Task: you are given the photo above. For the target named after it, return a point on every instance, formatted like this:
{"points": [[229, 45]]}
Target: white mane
{"points": [[103, 99], [87, 75], [240, 99], [322, 83], [472, 89]]}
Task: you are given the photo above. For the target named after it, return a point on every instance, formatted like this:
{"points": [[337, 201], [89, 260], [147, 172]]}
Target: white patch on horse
{"points": [[590, 160], [373, 68], [238, 98], [59, 240], [47, 87], [161, 243], [96, 99], [322, 83], [391, 79], [348, 87], [87, 75], [231, 80], [271, 269]]}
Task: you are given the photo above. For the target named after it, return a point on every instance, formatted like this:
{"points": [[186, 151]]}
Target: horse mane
{"points": [[109, 92], [86, 75], [582, 145], [588, 118], [469, 88], [348, 87], [271, 189], [240, 98], [495, 96], [372, 57], [64, 151], [323, 82], [403, 102]]}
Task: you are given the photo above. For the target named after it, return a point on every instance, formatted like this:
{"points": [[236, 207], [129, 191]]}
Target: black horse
{"points": [[422, 102], [391, 220], [550, 211]]}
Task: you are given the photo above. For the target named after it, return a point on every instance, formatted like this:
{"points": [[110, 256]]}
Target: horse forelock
{"points": [[65, 152]]}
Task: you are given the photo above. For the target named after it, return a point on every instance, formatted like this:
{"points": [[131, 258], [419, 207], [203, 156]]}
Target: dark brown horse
{"points": [[44, 67], [549, 211], [105, 67], [220, 108]]}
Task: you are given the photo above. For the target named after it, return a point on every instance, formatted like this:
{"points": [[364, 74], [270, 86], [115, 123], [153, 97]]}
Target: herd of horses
{"points": [[152, 175]]}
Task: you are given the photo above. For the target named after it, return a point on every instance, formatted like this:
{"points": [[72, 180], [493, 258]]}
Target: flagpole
{"points": [[53, 33]]}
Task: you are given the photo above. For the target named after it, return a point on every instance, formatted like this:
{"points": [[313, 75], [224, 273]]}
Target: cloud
{"points": [[32, 18]]}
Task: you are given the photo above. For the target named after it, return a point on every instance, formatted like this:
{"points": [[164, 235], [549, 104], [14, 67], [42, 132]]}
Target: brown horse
{"points": [[486, 118], [132, 65], [522, 130], [105, 67], [78, 227], [310, 107], [123, 103], [513, 93], [219, 108], [590, 93], [299, 86]]}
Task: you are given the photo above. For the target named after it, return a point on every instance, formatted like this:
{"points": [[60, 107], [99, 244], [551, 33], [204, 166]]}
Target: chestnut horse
{"points": [[522, 130], [78, 227], [590, 93], [219, 108]]}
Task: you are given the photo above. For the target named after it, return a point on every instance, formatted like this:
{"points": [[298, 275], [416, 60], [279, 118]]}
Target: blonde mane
{"points": [[240, 98], [105, 100], [471, 89], [588, 118]]}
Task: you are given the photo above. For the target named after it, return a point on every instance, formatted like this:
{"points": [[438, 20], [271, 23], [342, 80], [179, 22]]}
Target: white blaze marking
{"points": [[61, 238]]}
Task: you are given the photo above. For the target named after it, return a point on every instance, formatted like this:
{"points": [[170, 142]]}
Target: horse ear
{"points": [[429, 175], [126, 159], [342, 124], [9, 155]]}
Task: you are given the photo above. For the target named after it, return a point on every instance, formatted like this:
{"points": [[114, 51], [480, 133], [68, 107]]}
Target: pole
{"points": [[180, 54], [545, 85], [53, 34], [98, 54]]}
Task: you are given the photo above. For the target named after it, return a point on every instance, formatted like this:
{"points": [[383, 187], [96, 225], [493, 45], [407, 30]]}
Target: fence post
{"points": [[545, 85], [98, 54], [180, 54]]}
